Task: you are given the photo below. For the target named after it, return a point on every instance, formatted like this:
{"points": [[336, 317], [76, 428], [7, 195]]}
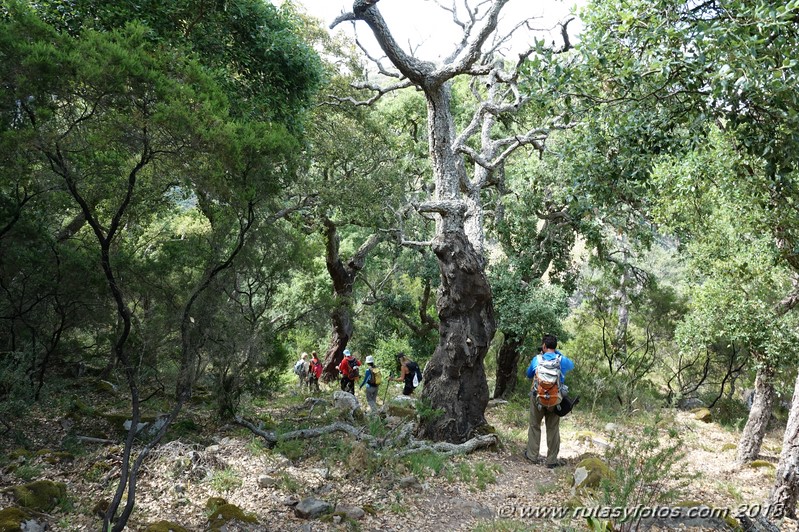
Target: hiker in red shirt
{"points": [[349, 372], [314, 372]]}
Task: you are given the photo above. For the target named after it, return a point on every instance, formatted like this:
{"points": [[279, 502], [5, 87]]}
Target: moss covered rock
{"points": [[19, 453], [732, 522], [688, 503], [79, 409], [11, 519], [56, 457], [118, 420], [101, 507], [213, 503], [165, 526], [703, 414], [229, 513], [41, 495], [105, 387], [585, 436], [589, 472], [757, 464], [401, 411]]}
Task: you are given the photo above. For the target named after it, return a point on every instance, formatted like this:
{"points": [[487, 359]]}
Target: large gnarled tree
{"points": [[455, 380]]}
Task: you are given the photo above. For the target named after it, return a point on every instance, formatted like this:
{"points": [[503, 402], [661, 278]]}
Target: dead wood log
{"points": [[449, 449], [339, 426], [413, 446], [89, 439]]}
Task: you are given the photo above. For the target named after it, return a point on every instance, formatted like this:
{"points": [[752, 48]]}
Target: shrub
{"points": [[730, 413], [644, 466]]}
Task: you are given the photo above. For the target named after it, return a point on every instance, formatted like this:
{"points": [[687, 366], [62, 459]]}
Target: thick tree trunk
{"points": [[454, 379], [342, 332], [343, 279], [507, 367], [786, 485], [755, 429]]}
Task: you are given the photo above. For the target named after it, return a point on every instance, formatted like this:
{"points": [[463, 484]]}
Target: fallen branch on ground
{"points": [[339, 426], [89, 439], [449, 449], [413, 446]]}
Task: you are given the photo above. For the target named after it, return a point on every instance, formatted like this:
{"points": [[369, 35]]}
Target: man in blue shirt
{"points": [[539, 413]]}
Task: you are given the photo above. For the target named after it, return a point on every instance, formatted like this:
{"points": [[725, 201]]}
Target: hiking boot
{"points": [[556, 464], [537, 460]]}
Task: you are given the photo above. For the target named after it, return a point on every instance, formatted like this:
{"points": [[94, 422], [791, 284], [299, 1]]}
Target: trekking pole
{"points": [[388, 385]]}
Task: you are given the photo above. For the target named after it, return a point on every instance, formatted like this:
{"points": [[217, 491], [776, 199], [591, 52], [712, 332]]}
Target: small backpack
{"points": [[546, 383], [417, 377], [353, 365], [298, 367], [376, 379]]}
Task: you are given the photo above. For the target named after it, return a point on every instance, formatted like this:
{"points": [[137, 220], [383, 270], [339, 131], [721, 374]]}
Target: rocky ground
{"points": [[485, 490]]}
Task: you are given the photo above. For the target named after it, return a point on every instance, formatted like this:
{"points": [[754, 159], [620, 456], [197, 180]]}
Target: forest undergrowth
{"points": [[203, 462]]}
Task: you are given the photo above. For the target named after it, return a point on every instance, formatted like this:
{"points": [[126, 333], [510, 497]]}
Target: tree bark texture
{"points": [[785, 494], [342, 332], [507, 367], [454, 379], [759, 415]]}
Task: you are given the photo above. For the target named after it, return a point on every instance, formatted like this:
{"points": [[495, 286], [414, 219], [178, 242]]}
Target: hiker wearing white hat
{"points": [[372, 380], [349, 372]]}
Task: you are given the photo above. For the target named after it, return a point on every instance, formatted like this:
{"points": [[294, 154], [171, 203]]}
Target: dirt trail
{"points": [[181, 477]]}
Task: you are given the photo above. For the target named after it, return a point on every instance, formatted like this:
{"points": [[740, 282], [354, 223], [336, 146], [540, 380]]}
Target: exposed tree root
{"points": [[403, 434], [339, 426], [449, 449]]}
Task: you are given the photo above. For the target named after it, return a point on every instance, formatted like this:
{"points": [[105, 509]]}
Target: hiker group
{"points": [[351, 369], [549, 395], [308, 372]]}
